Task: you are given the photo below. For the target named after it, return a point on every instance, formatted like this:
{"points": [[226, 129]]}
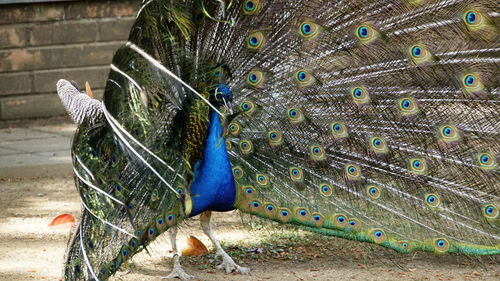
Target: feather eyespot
{"points": [[441, 245], [407, 106], [270, 209], [486, 161], [237, 172], [360, 95], [432, 200], [248, 191], [366, 33], [419, 54], [317, 219], [373, 191], [490, 211], [405, 245], [170, 219], [448, 133], [317, 152], [160, 221], [304, 78], [340, 221], [255, 40], [285, 214], [378, 145], [353, 171], [296, 174], [473, 19], [218, 72], [255, 204], [354, 224], [295, 115], [246, 147], [180, 189], [255, 78], [472, 83], [234, 128], [247, 107], [308, 29], [338, 130], [325, 189], [262, 180], [418, 166], [151, 232], [252, 7], [302, 214], [275, 138], [378, 235], [133, 243]]}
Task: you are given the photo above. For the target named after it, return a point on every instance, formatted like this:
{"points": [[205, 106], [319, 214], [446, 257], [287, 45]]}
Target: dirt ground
{"points": [[30, 250]]}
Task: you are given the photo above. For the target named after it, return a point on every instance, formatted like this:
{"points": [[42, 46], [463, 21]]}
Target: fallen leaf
{"points": [[195, 248], [62, 219]]}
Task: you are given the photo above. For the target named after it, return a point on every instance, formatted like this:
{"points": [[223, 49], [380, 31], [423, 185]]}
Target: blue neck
{"points": [[213, 186]]}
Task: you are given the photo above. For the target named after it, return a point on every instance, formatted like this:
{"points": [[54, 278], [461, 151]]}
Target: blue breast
{"points": [[213, 186]]}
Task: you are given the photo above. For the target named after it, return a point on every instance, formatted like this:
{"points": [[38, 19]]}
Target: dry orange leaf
{"points": [[195, 248], [62, 219]]}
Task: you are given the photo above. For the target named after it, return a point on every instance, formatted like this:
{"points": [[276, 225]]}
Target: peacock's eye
{"points": [[469, 80], [249, 6], [302, 75], [253, 77], [253, 41], [416, 51], [358, 92], [471, 17], [306, 28], [405, 103], [447, 131], [363, 32]]}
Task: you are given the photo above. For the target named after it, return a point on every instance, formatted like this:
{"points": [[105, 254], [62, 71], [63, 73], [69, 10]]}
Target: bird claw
{"points": [[178, 272], [229, 265]]}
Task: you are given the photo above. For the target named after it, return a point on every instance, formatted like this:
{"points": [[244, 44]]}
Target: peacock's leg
{"points": [[177, 271], [227, 262]]}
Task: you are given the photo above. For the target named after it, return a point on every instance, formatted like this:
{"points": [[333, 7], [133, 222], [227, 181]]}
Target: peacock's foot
{"points": [[178, 272], [229, 265]]}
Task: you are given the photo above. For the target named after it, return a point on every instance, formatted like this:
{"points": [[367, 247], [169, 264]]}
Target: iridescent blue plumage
{"points": [[213, 186]]}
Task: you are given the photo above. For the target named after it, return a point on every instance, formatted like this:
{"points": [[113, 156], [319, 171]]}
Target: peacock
{"points": [[374, 121]]}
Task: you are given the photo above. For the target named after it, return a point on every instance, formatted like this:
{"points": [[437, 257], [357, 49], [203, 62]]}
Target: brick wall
{"points": [[40, 43]]}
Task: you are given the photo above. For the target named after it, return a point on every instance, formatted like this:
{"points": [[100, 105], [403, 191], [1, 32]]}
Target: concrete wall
{"points": [[42, 42]]}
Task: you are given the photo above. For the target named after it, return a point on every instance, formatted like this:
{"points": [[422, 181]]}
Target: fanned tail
{"points": [[372, 121]]}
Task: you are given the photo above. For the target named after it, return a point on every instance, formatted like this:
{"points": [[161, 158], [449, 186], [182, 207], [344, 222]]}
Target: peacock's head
{"points": [[222, 96]]}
